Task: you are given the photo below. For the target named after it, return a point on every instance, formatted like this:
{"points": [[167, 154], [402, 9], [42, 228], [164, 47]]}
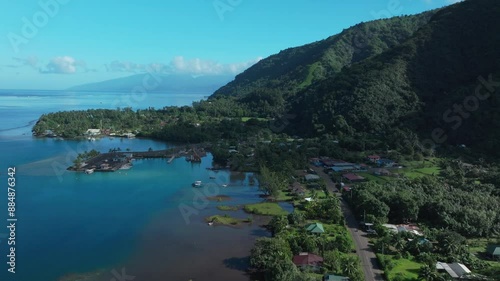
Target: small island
{"points": [[227, 220]]}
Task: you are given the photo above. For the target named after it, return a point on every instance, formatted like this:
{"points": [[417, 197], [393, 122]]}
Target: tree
{"points": [[428, 273], [331, 261], [277, 224], [271, 182], [296, 217], [343, 243], [350, 267], [270, 254], [78, 163]]}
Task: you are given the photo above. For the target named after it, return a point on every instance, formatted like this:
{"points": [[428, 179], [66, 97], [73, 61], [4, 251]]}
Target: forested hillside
{"points": [[296, 68], [414, 87], [392, 82]]}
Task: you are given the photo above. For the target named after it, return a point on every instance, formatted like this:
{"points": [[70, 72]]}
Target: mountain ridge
{"points": [[157, 82], [396, 95]]}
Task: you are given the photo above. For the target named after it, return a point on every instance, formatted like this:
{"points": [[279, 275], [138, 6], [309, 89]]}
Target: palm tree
{"points": [[425, 273], [349, 266]]}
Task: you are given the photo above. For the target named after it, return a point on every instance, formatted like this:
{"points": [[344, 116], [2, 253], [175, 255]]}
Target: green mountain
{"points": [[415, 78], [294, 69]]}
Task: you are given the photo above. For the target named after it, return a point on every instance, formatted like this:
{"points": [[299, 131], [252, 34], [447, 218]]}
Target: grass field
{"points": [[416, 169], [266, 209], [226, 220], [404, 268], [372, 177], [283, 196]]}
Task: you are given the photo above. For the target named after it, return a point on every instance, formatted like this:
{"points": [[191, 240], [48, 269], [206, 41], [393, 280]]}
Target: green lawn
{"points": [[283, 196], [407, 269], [226, 220], [415, 169], [266, 209], [372, 177]]}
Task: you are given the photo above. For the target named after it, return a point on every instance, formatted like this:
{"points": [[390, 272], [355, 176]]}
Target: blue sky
{"points": [[55, 44]]}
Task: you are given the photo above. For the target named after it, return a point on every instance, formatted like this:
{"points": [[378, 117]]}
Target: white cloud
{"points": [[208, 67], [63, 65], [180, 65]]}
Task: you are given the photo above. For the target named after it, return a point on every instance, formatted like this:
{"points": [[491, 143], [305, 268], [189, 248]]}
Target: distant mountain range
{"points": [[164, 83], [435, 75]]}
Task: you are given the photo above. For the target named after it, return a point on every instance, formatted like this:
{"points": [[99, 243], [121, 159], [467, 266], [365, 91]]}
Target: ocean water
{"points": [[131, 221]]}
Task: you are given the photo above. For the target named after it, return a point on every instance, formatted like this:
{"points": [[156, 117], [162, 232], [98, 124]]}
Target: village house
{"points": [[404, 228], [297, 189], [455, 270], [353, 177], [373, 158], [311, 177], [93, 132], [308, 261], [384, 162], [332, 277], [494, 251], [315, 228]]}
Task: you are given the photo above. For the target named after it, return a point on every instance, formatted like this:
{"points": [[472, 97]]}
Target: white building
{"points": [[455, 270]]}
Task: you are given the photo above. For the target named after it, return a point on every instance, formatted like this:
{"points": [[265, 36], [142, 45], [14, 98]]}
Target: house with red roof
{"points": [[308, 260], [353, 177]]}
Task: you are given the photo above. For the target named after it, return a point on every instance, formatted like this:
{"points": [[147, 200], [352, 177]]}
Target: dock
{"points": [[113, 161], [171, 159]]}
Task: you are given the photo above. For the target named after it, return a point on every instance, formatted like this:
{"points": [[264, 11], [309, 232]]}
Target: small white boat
{"points": [[224, 185], [126, 166], [89, 171], [197, 184]]}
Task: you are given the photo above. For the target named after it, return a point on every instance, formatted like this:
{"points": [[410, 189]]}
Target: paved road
{"points": [[366, 254]]}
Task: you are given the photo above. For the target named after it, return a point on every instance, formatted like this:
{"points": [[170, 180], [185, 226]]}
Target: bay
{"points": [[101, 224]]}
